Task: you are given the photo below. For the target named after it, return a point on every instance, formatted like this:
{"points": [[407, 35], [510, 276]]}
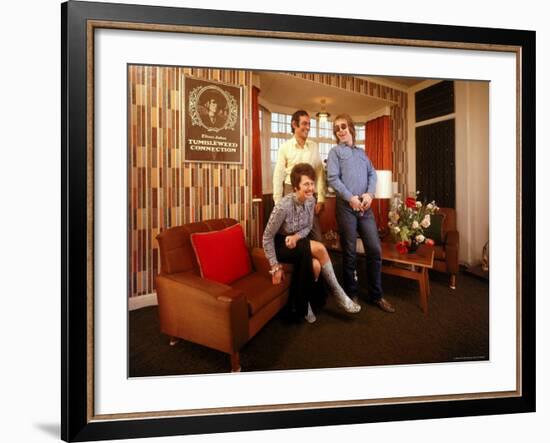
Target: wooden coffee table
{"points": [[414, 266]]}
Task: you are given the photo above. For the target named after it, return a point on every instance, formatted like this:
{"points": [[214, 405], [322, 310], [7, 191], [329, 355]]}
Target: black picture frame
{"points": [[78, 422]]}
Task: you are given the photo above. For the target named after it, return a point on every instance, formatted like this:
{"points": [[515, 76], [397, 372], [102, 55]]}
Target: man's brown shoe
{"points": [[385, 305]]}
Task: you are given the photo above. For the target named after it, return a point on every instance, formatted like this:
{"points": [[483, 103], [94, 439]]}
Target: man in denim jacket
{"points": [[351, 174]]}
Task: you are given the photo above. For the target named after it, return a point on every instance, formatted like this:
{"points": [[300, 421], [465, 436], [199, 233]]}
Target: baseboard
{"points": [[142, 301]]}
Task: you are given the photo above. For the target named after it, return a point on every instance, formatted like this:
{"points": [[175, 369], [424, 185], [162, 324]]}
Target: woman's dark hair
{"points": [[299, 170], [351, 126], [296, 118]]}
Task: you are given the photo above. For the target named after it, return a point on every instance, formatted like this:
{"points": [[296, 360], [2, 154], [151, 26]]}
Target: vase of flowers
{"points": [[407, 221], [413, 246]]}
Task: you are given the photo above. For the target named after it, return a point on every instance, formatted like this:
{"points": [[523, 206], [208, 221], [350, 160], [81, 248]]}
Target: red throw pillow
{"points": [[222, 255]]}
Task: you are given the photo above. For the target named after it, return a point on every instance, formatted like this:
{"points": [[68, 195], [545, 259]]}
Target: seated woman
{"points": [[286, 240]]}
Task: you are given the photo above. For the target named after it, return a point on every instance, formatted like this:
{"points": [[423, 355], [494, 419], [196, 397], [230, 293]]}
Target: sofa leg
{"points": [[174, 341], [235, 362], [452, 284]]}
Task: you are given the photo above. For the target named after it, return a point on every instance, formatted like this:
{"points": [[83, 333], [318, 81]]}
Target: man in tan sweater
{"points": [[300, 150]]}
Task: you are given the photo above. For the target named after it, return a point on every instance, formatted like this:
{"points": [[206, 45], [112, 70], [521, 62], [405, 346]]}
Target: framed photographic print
{"points": [[176, 124]]}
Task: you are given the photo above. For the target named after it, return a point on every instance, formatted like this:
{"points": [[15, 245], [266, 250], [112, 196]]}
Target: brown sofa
{"points": [[446, 254], [206, 312]]}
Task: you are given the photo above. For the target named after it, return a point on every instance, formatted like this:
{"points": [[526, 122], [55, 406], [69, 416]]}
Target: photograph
{"points": [[362, 247]]}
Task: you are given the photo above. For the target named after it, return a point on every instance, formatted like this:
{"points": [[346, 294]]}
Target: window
{"points": [[320, 133], [360, 135], [280, 123], [274, 148], [280, 128]]}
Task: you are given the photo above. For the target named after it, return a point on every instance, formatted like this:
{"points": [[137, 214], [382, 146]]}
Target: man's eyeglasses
{"points": [[341, 127]]}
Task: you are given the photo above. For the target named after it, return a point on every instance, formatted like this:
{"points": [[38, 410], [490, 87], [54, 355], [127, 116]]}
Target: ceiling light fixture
{"points": [[322, 115]]}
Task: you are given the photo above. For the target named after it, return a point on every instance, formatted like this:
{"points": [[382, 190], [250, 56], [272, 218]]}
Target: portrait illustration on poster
{"points": [[212, 121]]}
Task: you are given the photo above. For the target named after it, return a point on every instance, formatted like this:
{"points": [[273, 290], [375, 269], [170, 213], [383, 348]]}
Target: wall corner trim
{"points": [[142, 301]]}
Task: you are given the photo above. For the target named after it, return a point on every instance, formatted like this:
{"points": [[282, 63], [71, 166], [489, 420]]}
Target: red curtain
{"points": [[378, 146], [257, 157], [256, 146]]}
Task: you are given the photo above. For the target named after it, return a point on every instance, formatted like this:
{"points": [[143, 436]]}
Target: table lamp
{"points": [[384, 189]]}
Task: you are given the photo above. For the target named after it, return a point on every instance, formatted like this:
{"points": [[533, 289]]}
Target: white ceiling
{"points": [[286, 93]]}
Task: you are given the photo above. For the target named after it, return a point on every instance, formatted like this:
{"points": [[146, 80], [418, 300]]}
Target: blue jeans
{"points": [[351, 224]]}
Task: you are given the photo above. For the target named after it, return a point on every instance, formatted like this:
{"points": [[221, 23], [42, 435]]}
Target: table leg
{"points": [[428, 288], [422, 282]]}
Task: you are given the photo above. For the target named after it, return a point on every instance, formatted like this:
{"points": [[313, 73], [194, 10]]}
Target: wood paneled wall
{"points": [[164, 191]]}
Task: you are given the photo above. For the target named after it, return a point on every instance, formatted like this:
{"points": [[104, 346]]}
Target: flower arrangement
{"points": [[407, 221]]}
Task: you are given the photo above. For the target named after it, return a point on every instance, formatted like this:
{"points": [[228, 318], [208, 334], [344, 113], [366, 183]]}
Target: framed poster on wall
{"points": [[212, 113]]}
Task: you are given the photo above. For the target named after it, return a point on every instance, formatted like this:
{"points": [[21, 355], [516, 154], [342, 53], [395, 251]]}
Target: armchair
{"points": [[222, 317], [446, 253]]}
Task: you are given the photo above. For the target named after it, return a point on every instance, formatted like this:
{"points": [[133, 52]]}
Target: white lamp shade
{"points": [[384, 188]]}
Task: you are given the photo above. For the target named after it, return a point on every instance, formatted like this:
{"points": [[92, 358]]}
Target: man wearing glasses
{"points": [[351, 174], [300, 150]]}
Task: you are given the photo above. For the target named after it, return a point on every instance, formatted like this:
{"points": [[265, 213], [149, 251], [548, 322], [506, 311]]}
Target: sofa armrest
{"points": [[202, 311], [261, 263], [451, 251]]}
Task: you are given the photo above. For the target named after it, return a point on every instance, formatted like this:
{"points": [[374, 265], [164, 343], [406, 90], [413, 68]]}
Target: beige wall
{"points": [[472, 167], [472, 163]]}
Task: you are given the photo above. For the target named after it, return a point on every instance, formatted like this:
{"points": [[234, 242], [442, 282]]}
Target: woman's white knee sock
{"points": [[310, 316], [342, 299]]}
